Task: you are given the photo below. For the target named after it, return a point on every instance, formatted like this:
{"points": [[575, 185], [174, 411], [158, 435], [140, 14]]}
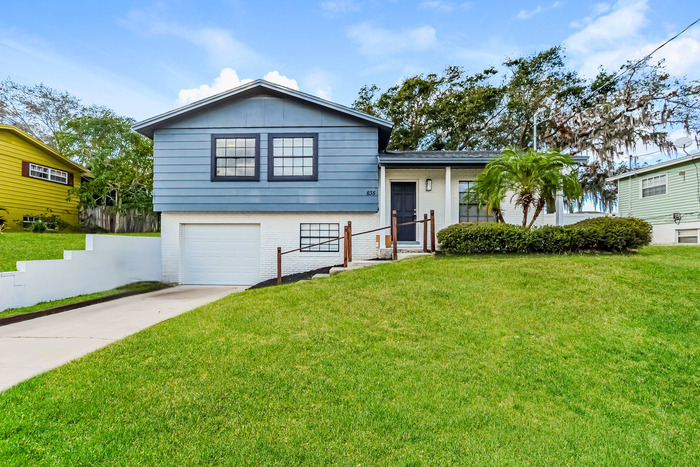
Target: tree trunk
{"points": [[526, 208], [499, 216], [538, 210]]}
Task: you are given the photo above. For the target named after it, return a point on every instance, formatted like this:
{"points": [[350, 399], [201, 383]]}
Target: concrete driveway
{"points": [[32, 347]]}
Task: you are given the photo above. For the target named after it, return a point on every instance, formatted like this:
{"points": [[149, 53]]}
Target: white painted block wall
{"points": [[108, 261], [666, 234], [276, 230]]}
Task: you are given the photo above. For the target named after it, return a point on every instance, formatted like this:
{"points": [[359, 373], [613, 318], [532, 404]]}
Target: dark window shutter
{"points": [[25, 169], [70, 179]]}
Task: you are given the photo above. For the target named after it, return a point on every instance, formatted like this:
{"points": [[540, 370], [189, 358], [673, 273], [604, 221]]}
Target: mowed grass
{"points": [[27, 246], [499, 360]]}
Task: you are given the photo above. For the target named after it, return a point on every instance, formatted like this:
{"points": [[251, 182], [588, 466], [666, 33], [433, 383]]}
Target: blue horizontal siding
{"points": [[347, 161]]}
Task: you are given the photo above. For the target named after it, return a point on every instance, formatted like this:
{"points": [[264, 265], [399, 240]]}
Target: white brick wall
{"points": [[276, 230]]}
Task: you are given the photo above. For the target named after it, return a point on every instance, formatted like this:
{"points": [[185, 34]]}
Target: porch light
{"points": [[428, 184]]}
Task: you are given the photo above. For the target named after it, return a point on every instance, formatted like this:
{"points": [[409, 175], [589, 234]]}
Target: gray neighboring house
{"points": [[667, 195], [262, 166]]}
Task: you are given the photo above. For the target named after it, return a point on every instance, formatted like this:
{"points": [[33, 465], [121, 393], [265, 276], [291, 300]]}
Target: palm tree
{"points": [[533, 177]]}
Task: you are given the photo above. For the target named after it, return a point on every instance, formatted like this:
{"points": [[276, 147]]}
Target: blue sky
{"points": [[142, 58]]}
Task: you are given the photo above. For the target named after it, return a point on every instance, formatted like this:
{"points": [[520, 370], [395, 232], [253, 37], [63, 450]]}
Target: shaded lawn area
{"points": [[27, 246], [483, 359]]}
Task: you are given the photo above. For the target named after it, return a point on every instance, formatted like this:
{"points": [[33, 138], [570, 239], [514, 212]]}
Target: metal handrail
{"points": [[347, 240]]}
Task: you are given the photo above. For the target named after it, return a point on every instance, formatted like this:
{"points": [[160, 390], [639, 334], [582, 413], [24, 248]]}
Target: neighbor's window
{"points": [[318, 233], [28, 220], [235, 157], [293, 157], [653, 186], [469, 208], [688, 235], [47, 173]]}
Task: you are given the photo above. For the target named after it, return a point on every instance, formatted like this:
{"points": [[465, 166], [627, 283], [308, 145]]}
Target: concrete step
{"points": [[412, 255], [320, 276], [385, 253], [355, 265]]}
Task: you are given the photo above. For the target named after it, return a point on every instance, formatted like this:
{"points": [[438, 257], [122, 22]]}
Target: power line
{"points": [[624, 70]]}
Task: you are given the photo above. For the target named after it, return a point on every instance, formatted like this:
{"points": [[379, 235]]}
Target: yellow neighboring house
{"points": [[34, 180]]}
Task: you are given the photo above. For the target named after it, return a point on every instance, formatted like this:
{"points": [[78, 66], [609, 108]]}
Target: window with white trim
{"points": [[653, 186], [47, 173], [687, 235], [293, 157], [310, 234], [235, 157]]}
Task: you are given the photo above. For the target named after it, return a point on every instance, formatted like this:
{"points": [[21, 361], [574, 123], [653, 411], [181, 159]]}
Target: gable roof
{"points": [[445, 157], [661, 165], [260, 86], [44, 147]]}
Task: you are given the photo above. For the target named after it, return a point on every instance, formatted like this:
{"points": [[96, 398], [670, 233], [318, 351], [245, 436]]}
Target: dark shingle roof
{"points": [[445, 157], [437, 157]]}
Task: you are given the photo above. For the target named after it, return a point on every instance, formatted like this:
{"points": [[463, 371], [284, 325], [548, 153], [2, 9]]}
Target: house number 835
{"points": [[371, 193]]}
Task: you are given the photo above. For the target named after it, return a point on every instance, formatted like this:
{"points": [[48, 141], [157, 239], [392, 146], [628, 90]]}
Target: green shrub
{"points": [[38, 226], [45, 222], [600, 234]]}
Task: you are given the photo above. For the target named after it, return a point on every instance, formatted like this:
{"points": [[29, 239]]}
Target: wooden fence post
{"points": [[345, 246], [425, 233], [394, 235], [279, 265], [349, 241], [432, 231]]}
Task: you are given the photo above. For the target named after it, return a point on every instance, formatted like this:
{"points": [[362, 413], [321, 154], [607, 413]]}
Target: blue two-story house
{"points": [[262, 166]]}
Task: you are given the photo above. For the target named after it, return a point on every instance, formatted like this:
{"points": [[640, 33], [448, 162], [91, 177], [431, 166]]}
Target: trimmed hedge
{"points": [[599, 234]]}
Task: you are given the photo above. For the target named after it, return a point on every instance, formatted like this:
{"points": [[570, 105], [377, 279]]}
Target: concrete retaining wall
{"points": [[108, 261]]}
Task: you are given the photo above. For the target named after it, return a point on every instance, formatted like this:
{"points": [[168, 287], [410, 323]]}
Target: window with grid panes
{"points": [[235, 157], [469, 208], [47, 173], [293, 157], [312, 234], [653, 186]]}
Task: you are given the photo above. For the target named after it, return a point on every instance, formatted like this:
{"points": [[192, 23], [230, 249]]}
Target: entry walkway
{"points": [[32, 347]]}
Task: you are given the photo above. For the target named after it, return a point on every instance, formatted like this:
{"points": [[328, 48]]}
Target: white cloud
{"points": [[527, 14], [222, 48], [597, 10], [319, 80], [228, 79], [442, 6], [610, 40], [376, 42], [275, 77], [335, 8], [623, 22]]}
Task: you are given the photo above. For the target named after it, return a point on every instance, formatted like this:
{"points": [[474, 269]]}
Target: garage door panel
{"points": [[221, 254]]}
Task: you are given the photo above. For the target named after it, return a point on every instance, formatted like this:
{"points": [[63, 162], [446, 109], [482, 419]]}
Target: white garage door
{"points": [[221, 254]]}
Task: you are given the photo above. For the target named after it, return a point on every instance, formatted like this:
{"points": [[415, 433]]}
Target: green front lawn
{"points": [[26, 246], [448, 360]]}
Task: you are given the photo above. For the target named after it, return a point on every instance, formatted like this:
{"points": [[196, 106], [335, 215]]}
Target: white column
{"points": [[382, 197], [559, 206], [448, 196]]}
